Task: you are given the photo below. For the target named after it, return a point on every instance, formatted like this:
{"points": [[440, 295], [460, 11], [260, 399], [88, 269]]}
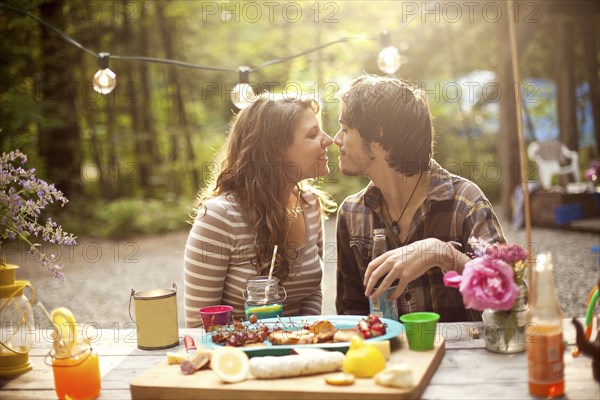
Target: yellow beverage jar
{"points": [[264, 297], [77, 376]]}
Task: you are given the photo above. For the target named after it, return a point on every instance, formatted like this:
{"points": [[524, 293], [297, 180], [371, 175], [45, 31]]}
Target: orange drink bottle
{"points": [[545, 346], [77, 375]]}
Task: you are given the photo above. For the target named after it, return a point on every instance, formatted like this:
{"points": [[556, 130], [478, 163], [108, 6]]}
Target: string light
{"points": [[105, 80], [242, 94], [389, 59]]}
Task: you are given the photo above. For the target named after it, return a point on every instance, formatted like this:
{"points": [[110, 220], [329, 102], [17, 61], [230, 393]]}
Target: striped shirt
{"points": [[454, 210], [218, 261]]}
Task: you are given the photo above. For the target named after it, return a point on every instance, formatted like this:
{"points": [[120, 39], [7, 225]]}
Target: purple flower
{"points": [[23, 197], [593, 172]]}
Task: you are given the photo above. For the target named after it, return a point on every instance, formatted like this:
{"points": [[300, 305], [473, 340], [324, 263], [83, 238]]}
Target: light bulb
{"points": [[242, 95], [389, 60], [104, 81]]}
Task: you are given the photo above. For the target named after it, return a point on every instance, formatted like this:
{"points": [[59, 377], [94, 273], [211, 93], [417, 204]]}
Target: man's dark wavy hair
{"points": [[391, 112]]}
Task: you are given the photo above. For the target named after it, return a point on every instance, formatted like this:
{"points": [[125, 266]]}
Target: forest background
{"points": [[132, 161]]}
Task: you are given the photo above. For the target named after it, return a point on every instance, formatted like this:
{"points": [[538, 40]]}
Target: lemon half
{"points": [[230, 364]]}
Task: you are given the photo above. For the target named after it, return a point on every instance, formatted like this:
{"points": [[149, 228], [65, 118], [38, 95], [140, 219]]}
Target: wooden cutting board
{"points": [[165, 381]]}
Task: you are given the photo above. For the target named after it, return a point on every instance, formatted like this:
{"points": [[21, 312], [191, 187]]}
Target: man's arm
{"points": [[409, 262], [481, 222]]}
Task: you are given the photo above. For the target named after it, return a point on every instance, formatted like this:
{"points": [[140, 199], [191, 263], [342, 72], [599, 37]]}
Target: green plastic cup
{"points": [[420, 329]]}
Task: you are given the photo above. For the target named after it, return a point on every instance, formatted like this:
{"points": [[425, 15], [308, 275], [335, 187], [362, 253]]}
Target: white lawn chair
{"points": [[554, 158]]}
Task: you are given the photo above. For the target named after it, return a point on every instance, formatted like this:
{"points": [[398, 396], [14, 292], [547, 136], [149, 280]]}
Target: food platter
{"points": [[393, 329]]}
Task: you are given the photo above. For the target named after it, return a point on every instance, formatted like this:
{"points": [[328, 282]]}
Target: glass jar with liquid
{"points": [[76, 370], [382, 307], [264, 297]]}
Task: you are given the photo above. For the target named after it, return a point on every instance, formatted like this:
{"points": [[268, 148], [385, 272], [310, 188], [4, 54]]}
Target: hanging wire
{"points": [[308, 51], [172, 62], [182, 63]]}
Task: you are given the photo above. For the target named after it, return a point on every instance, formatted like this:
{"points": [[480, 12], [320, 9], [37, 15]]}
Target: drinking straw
{"points": [[273, 261], [271, 270], [46, 313], [591, 302]]}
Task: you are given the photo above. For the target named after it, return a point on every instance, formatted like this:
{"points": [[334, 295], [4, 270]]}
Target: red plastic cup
{"points": [[215, 315]]}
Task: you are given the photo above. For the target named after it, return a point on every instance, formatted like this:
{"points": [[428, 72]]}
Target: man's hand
{"points": [[408, 263]]}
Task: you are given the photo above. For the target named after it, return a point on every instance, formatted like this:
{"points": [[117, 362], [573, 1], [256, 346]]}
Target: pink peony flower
{"points": [[452, 279], [492, 278], [487, 283]]}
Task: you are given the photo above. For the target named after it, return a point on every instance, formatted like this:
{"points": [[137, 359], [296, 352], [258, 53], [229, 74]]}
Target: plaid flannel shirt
{"points": [[455, 209]]}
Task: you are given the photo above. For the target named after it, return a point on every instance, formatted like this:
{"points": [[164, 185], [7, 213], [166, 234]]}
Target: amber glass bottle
{"points": [[545, 347]]}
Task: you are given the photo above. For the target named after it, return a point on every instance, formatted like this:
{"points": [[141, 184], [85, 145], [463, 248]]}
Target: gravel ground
{"points": [[100, 274]]}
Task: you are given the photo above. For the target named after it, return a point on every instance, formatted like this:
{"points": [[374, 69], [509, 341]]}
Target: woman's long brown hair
{"points": [[253, 170]]}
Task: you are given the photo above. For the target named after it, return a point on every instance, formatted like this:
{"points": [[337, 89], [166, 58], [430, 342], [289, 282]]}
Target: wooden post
{"points": [[522, 152], [564, 70]]}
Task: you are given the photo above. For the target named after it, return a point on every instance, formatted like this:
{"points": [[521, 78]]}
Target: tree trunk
{"points": [[95, 150], [60, 142], [464, 121], [114, 173], [181, 122], [590, 35], [142, 158], [565, 82], [147, 136], [508, 139], [173, 154]]}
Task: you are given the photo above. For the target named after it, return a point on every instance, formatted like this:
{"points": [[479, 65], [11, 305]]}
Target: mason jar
{"points": [[76, 370], [504, 331], [264, 297]]}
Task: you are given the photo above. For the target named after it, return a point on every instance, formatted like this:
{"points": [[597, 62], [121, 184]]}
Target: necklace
{"points": [[395, 227], [297, 209]]}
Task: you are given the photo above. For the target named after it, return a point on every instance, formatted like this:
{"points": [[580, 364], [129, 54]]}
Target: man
{"points": [[428, 214]]}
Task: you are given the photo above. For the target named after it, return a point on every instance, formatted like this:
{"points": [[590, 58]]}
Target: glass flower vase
{"points": [[504, 331]]}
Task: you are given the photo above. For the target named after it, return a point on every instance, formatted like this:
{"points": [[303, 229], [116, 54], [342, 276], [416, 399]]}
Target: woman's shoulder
{"points": [[224, 205], [310, 198]]}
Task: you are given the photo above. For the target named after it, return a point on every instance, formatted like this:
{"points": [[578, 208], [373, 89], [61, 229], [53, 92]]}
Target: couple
{"points": [[261, 197]]}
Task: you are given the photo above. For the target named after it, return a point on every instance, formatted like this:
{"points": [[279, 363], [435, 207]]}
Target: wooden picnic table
{"points": [[467, 370]]}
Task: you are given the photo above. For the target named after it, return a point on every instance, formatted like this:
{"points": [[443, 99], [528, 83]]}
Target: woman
{"points": [[260, 198]]}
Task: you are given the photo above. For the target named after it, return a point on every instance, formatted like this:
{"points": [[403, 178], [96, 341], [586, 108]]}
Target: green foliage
{"points": [[130, 217], [127, 217], [168, 122]]}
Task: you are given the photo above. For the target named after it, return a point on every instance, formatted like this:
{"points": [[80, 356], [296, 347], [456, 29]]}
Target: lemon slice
{"points": [[230, 364], [176, 357], [65, 323], [340, 379]]}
